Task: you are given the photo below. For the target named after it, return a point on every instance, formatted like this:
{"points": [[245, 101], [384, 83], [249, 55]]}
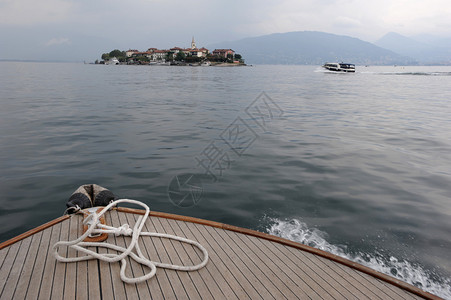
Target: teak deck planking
{"points": [[243, 264]]}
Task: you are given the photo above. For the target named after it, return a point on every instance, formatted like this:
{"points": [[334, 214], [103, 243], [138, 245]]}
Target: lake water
{"points": [[356, 164]]}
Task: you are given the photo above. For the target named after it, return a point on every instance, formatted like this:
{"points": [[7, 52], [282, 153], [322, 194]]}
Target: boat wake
{"points": [[322, 70], [409, 73], [298, 231]]}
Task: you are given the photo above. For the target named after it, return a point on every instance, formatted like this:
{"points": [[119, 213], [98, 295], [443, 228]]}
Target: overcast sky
{"points": [[43, 26]]}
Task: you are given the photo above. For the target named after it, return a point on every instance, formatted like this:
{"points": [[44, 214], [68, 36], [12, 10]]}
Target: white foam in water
{"points": [[298, 231]]}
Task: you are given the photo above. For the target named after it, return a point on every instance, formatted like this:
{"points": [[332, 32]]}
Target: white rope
{"points": [[95, 227], [73, 209]]}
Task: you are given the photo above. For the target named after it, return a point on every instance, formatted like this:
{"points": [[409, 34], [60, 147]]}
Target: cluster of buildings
{"points": [[154, 54]]}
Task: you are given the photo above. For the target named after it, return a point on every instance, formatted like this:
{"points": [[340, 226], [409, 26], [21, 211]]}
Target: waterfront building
{"points": [[130, 52], [223, 52]]}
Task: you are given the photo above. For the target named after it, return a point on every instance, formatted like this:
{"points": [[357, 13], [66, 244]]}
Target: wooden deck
{"points": [[243, 264]]}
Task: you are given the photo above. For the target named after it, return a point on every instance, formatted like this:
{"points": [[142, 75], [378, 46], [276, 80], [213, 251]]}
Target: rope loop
{"points": [[71, 210], [96, 227]]}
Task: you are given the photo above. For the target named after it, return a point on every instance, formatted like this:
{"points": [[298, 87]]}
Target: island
{"points": [[175, 56]]}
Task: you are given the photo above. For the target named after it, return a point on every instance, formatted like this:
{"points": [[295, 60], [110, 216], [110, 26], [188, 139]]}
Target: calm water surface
{"points": [[358, 164]]}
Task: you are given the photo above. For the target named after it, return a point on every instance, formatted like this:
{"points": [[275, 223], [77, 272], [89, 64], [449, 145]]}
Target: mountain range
{"points": [[426, 49], [313, 47], [299, 47]]}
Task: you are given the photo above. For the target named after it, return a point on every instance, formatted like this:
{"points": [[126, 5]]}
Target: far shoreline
{"points": [[7, 60]]}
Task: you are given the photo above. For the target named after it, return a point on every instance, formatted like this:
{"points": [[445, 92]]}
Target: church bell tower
{"points": [[193, 44]]}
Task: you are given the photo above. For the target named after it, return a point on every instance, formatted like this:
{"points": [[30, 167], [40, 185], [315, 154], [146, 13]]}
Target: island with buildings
{"points": [[192, 56]]}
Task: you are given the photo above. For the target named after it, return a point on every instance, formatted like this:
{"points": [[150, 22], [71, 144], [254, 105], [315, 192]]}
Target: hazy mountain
{"points": [[311, 47], [423, 48], [433, 40], [47, 44], [400, 44]]}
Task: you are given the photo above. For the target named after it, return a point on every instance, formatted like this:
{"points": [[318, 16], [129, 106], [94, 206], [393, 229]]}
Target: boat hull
{"points": [[243, 264], [340, 67]]}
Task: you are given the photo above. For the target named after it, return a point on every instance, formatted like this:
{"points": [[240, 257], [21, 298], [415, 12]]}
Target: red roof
{"points": [[156, 50]]}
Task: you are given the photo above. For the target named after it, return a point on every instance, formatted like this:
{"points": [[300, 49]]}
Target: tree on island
{"points": [[142, 59], [170, 56], [117, 53], [120, 55], [193, 59], [216, 58], [239, 58], [180, 56]]}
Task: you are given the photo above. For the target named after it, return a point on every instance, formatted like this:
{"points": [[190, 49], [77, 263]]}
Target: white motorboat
{"points": [[339, 67], [113, 61]]}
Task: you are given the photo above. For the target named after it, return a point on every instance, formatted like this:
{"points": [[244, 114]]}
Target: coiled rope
{"points": [[95, 227]]}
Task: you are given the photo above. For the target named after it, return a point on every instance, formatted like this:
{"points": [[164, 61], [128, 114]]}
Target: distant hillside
{"points": [[437, 41], [425, 49], [311, 48], [401, 44], [37, 44]]}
